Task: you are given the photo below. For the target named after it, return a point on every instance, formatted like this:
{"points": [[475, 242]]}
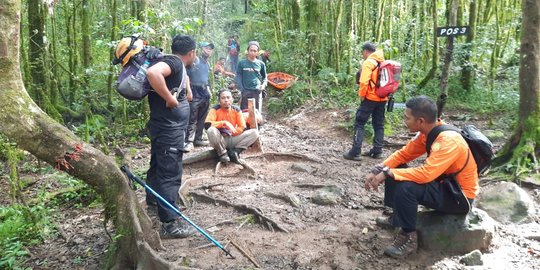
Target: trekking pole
{"points": [[132, 177]]}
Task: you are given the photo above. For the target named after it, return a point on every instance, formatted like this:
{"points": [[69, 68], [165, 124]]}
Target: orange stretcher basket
{"points": [[280, 80]]}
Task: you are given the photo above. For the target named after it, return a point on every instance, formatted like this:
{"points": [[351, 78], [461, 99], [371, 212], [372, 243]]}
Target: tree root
{"points": [[264, 220], [240, 162]]}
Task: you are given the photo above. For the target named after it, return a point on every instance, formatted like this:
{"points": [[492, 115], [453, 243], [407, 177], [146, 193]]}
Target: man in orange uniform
{"points": [[405, 187], [226, 129], [371, 105]]}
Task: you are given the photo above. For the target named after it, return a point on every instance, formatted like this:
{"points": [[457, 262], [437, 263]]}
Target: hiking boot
{"points": [[349, 156], [188, 147], [200, 143], [233, 156], [176, 229], [224, 157], [385, 222], [404, 244], [373, 155]]}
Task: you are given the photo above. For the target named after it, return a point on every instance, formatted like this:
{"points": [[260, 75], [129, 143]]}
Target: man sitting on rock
{"points": [[226, 129], [406, 188]]}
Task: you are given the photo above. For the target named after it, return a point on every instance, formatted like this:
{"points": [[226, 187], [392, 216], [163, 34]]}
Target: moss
{"points": [[519, 156]]}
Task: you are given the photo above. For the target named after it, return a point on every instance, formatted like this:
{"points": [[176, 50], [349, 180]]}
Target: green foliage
{"points": [[12, 155], [21, 226], [291, 98], [73, 192]]}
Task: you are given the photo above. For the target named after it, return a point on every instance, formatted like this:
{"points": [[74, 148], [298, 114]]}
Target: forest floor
{"points": [[340, 236]]}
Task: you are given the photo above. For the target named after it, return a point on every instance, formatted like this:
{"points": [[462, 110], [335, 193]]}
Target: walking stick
{"points": [[132, 177]]}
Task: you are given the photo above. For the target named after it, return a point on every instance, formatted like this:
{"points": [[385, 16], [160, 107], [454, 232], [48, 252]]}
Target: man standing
{"points": [[226, 129], [233, 49], [251, 77], [198, 74], [169, 113], [406, 187], [371, 104]]}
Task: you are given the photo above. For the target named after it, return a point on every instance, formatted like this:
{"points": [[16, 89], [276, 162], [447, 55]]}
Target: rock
{"points": [[473, 258], [506, 202], [294, 200], [455, 233], [328, 229], [328, 195], [494, 135], [301, 167]]}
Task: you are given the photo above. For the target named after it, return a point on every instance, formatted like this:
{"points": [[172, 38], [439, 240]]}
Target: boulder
{"points": [[328, 195], [506, 202], [455, 233], [472, 259]]}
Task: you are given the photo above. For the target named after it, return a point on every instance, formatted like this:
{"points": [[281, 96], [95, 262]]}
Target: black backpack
{"points": [[481, 147]]}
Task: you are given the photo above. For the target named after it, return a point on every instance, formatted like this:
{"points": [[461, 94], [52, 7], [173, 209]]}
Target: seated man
{"points": [[226, 129], [406, 188], [219, 68]]}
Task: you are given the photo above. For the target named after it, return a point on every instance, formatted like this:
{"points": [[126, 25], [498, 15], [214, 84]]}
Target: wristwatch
{"points": [[386, 171]]}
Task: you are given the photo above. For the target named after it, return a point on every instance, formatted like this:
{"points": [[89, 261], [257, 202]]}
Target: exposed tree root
{"points": [[240, 162], [264, 220]]}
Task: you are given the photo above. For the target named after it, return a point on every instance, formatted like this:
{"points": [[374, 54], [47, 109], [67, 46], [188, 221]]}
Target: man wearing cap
{"points": [[198, 80], [251, 77], [371, 105]]}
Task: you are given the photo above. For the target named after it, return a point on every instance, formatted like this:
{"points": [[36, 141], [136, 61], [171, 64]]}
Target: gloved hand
{"points": [[153, 52]]}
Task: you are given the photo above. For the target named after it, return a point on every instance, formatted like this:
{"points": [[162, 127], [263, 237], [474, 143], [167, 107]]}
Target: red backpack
{"points": [[388, 78]]}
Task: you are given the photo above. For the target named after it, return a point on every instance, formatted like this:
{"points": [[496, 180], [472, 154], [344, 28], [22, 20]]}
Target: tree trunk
{"points": [[435, 56], [523, 148], [27, 125], [110, 78], [86, 46], [36, 28], [468, 69], [445, 73]]}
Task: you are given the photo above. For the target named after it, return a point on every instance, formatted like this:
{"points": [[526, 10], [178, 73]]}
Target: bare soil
{"points": [[339, 236]]}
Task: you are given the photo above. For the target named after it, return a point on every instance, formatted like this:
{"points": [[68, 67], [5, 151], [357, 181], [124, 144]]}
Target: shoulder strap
{"points": [[434, 133]]}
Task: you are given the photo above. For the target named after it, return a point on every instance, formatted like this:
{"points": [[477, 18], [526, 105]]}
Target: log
{"points": [[284, 156], [199, 157]]}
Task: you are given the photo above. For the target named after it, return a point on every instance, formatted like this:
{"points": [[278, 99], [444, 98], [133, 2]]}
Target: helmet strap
{"points": [[129, 48]]}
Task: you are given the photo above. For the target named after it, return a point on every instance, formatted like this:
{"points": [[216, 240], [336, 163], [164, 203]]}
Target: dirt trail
{"points": [[340, 236]]}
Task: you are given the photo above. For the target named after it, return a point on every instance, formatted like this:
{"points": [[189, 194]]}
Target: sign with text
{"points": [[447, 31]]}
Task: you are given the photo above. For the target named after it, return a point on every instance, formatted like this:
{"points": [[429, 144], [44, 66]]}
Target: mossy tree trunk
{"points": [[445, 73], [34, 131], [435, 56], [468, 69], [521, 152]]}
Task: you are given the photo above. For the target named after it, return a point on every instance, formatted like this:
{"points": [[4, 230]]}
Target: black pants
{"points": [[198, 110], [165, 173], [405, 196], [247, 94], [376, 110]]}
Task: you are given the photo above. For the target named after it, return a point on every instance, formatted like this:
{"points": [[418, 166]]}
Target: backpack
{"points": [[481, 147], [388, 78], [132, 82]]}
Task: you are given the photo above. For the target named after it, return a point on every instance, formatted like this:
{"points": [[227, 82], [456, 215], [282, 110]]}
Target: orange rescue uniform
{"points": [[217, 117], [369, 75], [448, 155]]}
